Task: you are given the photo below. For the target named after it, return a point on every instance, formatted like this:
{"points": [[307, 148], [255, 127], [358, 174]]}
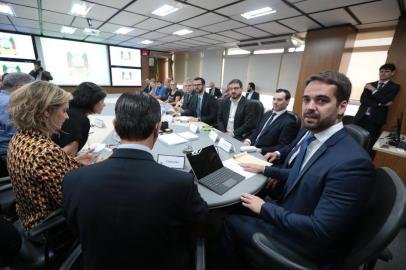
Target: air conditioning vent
{"points": [[288, 41], [277, 41], [248, 45]]}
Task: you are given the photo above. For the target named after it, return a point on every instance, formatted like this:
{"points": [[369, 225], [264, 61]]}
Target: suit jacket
{"points": [[245, 118], [317, 215], [377, 102], [130, 212], [255, 95], [215, 92], [209, 108], [281, 132], [45, 75]]}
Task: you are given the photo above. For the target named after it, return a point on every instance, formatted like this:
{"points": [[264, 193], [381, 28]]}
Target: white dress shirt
{"points": [[233, 109]]}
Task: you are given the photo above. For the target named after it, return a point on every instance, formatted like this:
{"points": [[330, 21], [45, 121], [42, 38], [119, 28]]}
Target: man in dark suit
{"points": [[236, 116], [39, 73], [214, 91], [187, 94], [375, 101], [277, 127], [325, 192], [202, 106], [128, 211], [251, 94]]}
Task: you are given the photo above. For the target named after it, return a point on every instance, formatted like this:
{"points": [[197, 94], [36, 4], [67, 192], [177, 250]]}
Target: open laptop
{"points": [[210, 172]]}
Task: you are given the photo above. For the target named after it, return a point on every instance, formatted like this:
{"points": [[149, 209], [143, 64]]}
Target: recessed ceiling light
{"points": [[7, 9], [164, 10], [258, 13], [182, 32], [146, 42], [80, 8], [281, 50], [91, 32], [123, 30], [68, 30]]}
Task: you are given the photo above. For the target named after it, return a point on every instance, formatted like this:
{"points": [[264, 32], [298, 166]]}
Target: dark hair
{"points": [[86, 96], [342, 83], [388, 66], [287, 93], [136, 116], [201, 79], [37, 62], [252, 85], [235, 81]]}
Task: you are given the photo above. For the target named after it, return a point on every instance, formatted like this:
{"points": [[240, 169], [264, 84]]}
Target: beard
{"points": [[315, 123]]}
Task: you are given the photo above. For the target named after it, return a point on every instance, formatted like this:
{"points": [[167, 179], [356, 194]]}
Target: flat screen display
{"points": [[16, 46], [11, 66], [126, 57], [126, 76], [73, 62]]}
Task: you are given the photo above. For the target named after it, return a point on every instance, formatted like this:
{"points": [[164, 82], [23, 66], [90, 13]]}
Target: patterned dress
{"points": [[37, 166]]}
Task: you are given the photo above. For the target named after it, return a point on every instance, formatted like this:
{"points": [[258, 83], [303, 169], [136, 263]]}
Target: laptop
{"points": [[210, 172]]}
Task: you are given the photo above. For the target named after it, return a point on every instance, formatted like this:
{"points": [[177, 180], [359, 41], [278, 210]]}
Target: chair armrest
{"points": [[200, 254], [281, 255], [385, 255], [54, 219], [5, 187], [72, 258], [5, 180]]}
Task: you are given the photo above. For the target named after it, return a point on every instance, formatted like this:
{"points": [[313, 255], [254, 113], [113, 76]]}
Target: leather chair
{"points": [[348, 119], [360, 135], [297, 117], [382, 222], [7, 199]]}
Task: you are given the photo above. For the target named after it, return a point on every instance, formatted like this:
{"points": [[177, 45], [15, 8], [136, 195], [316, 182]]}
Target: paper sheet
{"points": [[233, 165]]}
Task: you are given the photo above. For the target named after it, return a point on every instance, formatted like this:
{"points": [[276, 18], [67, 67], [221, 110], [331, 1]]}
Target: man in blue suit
{"points": [[129, 212], [324, 192]]}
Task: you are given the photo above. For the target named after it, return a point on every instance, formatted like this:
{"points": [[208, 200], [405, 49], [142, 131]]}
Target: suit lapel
{"points": [[226, 114], [274, 122], [240, 108]]}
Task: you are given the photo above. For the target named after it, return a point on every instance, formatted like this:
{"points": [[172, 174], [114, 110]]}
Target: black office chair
{"points": [[383, 220], [257, 109], [359, 134], [297, 117], [7, 199], [348, 119]]}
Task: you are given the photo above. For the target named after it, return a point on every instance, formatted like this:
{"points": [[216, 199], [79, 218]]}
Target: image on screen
{"points": [[126, 76], [16, 46], [73, 62], [11, 66], [120, 56]]}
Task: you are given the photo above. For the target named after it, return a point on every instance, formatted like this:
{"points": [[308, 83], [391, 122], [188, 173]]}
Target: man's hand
{"points": [[370, 87], [271, 156], [271, 183], [86, 158], [252, 202], [247, 142], [230, 134], [255, 168], [193, 119]]}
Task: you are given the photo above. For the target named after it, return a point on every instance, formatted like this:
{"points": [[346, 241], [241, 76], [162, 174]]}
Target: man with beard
{"points": [[324, 193]]}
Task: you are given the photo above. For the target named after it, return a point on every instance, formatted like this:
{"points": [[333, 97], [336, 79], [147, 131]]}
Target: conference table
{"points": [[251, 184]]}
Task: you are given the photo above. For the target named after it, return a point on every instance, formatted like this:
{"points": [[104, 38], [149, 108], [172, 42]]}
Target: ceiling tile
{"points": [[136, 32], [8, 27], [25, 22], [82, 23], [333, 17], [62, 6], [274, 28], [51, 27], [77, 37], [152, 24], [116, 3], [301, 23], [195, 42], [94, 39], [30, 30], [101, 12], [52, 33], [29, 3], [220, 38], [172, 28], [251, 31], [53, 17], [223, 26], [4, 19], [171, 38], [206, 40], [234, 35], [211, 4], [127, 18], [153, 35], [317, 5], [203, 20], [109, 27], [377, 11], [121, 37], [26, 12]]}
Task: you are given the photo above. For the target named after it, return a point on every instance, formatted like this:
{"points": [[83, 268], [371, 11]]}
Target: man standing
{"points": [[375, 101], [214, 91], [11, 82], [39, 73], [202, 106], [237, 115], [277, 127], [325, 192], [141, 214], [251, 94], [187, 93]]}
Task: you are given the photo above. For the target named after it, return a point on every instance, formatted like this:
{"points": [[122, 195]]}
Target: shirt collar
{"points": [[278, 113], [324, 135], [134, 146], [384, 82]]}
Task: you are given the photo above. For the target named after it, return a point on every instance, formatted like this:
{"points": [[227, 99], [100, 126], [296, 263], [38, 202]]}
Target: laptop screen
{"points": [[204, 161]]}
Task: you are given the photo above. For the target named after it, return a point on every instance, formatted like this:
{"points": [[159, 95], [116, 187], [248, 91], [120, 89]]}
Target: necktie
{"points": [[294, 151], [380, 85], [294, 172], [267, 123], [199, 106]]}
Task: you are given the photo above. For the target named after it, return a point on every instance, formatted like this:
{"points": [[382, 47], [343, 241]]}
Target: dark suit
{"points": [[45, 75], [255, 95], [130, 212], [318, 213], [245, 118], [209, 108], [378, 111], [215, 92], [280, 132]]}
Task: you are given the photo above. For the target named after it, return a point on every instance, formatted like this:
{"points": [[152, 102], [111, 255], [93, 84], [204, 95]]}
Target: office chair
{"points": [[348, 119], [359, 134], [297, 117], [382, 222], [258, 111], [7, 199]]}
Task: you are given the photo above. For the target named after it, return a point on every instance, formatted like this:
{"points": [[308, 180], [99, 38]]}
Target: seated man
{"points": [[277, 127], [201, 106], [237, 116], [140, 214], [325, 192]]}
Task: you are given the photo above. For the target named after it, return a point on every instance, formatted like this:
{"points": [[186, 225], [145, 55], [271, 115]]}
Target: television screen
{"points": [[126, 76], [16, 46], [120, 56], [73, 62], [11, 66]]}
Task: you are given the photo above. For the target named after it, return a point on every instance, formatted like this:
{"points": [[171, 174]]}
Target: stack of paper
{"points": [[188, 135], [171, 139]]}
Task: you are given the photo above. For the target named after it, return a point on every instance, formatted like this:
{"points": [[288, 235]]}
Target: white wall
{"points": [[211, 66]]}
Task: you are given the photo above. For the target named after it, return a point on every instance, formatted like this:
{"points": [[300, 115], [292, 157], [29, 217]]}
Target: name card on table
{"points": [[194, 128], [99, 123], [175, 162], [225, 145], [213, 136]]}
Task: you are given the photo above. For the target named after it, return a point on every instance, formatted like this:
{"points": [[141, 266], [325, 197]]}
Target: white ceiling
{"points": [[215, 23]]}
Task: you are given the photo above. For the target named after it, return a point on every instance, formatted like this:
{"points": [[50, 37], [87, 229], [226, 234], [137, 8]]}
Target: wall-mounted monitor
{"points": [[73, 62], [126, 76], [11, 66], [16, 46], [126, 57]]}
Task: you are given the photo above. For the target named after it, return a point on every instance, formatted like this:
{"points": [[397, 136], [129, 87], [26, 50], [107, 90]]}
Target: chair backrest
{"points": [[259, 110], [382, 221], [348, 119], [359, 134], [297, 117]]}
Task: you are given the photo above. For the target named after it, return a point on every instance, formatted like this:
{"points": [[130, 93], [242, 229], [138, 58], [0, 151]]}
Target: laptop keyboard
{"points": [[221, 180]]}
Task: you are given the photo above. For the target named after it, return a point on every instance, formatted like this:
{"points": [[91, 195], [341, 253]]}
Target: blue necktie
{"points": [[266, 125], [199, 106], [295, 171]]}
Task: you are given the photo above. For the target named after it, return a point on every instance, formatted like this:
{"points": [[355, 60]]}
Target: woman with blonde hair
{"points": [[35, 163]]}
